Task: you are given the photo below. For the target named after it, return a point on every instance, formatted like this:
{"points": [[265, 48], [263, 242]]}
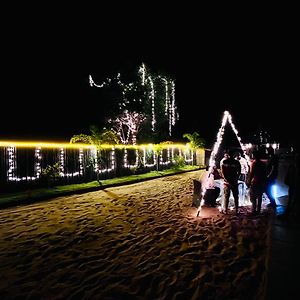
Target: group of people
{"points": [[258, 176]]}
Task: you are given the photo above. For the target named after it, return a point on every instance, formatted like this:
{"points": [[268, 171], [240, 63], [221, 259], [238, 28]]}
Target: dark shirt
{"points": [[272, 168], [290, 177], [231, 170], [258, 173]]}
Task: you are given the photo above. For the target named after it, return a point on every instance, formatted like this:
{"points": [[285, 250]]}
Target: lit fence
{"points": [[26, 162]]}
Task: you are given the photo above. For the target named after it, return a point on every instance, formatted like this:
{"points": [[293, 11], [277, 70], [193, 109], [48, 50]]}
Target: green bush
{"points": [[51, 173], [179, 161]]}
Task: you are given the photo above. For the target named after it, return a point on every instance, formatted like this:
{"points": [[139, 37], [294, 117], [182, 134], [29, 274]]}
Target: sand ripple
{"points": [[141, 241]]}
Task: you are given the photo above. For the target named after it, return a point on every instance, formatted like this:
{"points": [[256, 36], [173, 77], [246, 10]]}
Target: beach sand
{"points": [[140, 241]]}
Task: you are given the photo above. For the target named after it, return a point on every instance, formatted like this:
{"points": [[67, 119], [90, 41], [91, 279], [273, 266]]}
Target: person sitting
{"points": [[212, 191], [197, 193]]}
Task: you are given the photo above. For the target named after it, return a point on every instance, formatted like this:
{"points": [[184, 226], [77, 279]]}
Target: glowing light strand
{"points": [[142, 72], [212, 160], [11, 172], [12, 164], [173, 106], [152, 97], [38, 158], [170, 107]]}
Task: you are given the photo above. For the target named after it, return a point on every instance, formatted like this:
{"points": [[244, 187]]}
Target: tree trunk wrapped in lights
{"points": [[151, 96]]}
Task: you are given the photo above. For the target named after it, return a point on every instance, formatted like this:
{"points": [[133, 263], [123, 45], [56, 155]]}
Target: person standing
{"points": [[242, 179], [225, 156], [272, 173], [257, 182], [231, 170], [291, 179], [244, 166]]}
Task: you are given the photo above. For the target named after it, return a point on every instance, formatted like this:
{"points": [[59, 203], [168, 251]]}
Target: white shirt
{"points": [[207, 180], [244, 165]]}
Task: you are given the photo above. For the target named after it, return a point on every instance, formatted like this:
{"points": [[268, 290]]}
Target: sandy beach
{"points": [[141, 241]]}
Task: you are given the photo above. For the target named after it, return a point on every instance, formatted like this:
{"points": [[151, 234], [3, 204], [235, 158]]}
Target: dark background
{"points": [[249, 67]]}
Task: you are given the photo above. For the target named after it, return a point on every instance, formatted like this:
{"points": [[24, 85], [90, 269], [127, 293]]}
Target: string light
{"points": [[146, 79], [152, 97], [38, 158], [212, 160], [142, 71], [173, 106], [11, 163], [148, 151], [81, 161], [62, 162]]}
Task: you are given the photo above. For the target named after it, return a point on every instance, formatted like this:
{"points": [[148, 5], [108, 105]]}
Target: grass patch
{"points": [[30, 196]]}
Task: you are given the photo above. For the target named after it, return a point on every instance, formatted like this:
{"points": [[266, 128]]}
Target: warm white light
{"points": [[212, 162], [146, 80]]}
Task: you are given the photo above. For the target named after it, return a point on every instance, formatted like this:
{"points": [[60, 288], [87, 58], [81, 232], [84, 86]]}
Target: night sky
{"points": [[250, 71]]}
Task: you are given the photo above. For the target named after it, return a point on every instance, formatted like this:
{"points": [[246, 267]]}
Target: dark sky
{"points": [[250, 71]]}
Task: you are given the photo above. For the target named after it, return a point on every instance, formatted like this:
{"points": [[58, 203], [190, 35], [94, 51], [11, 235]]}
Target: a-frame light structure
{"points": [[212, 160]]}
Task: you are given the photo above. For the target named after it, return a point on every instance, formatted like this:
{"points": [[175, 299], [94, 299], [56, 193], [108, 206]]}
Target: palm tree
{"points": [[97, 137], [195, 140]]}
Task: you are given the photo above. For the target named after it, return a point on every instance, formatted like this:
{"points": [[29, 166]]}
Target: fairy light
{"points": [[136, 158], [212, 159], [113, 158], [106, 82], [61, 161], [12, 165], [173, 107], [11, 172], [161, 160], [94, 153], [152, 97], [149, 149], [81, 161], [226, 118], [180, 152], [238, 137], [126, 164], [168, 156], [188, 152], [200, 207], [125, 158], [11, 151], [142, 71], [112, 161], [144, 156], [154, 158], [172, 155], [170, 107], [38, 158]]}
